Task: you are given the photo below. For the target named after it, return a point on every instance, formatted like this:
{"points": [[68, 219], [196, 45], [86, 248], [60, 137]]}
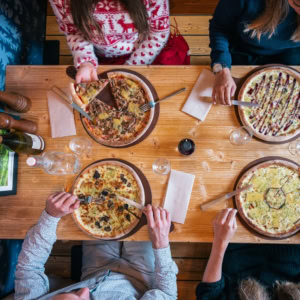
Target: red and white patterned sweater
{"points": [[120, 35]]}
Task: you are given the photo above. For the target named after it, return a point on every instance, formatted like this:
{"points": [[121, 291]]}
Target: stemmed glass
{"points": [[81, 146], [241, 135], [294, 148], [161, 166]]}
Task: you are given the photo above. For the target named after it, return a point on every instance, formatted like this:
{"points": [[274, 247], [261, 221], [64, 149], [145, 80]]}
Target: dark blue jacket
{"points": [[227, 34]]}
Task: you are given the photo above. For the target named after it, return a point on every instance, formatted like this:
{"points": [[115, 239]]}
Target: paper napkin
{"points": [[203, 88], [178, 195], [61, 116]]}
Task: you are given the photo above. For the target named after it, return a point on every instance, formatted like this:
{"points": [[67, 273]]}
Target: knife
{"points": [[130, 202], [69, 100], [227, 196], [234, 102]]}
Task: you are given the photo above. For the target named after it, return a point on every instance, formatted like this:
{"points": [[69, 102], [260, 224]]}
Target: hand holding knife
{"points": [[70, 101]]}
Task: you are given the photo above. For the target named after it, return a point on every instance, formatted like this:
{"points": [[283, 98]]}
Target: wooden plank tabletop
{"points": [[216, 162]]}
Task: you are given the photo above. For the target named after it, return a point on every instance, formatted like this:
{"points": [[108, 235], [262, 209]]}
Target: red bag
{"points": [[176, 51]]}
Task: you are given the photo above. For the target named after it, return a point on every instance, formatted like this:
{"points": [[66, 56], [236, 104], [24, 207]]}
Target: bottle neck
{"points": [[1, 139], [35, 161]]}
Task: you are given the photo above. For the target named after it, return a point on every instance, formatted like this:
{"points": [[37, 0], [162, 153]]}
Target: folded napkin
{"points": [[61, 115], [203, 88], [178, 195]]}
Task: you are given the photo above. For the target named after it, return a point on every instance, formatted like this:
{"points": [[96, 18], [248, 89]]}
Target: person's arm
{"points": [[221, 28], [83, 52], [213, 284], [31, 282], [157, 38], [164, 286]]}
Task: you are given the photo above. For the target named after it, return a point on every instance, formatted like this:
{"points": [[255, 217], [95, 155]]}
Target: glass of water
{"points": [[81, 146], [161, 166], [241, 135], [294, 148]]}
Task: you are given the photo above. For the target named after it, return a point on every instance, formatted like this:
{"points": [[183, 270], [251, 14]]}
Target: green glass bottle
{"points": [[22, 142]]}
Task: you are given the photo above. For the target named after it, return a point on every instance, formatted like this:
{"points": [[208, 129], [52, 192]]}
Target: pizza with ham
{"points": [[85, 92], [124, 124], [272, 205], [109, 217], [277, 90]]}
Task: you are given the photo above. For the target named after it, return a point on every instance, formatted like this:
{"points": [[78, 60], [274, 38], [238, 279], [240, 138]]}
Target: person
{"points": [[110, 270], [135, 31], [244, 32], [248, 271]]}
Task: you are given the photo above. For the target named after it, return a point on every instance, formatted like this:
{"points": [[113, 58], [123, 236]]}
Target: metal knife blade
{"points": [[130, 202], [80, 110], [244, 188], [227, 196], [244, 103]]}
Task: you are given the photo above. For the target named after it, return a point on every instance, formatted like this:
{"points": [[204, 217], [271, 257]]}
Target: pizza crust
{"points": [[243, 90], [76, 213], [238, 201], [75, 97]]}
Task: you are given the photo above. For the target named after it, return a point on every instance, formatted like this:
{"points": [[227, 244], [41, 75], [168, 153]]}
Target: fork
{"points": [[145, 107]]}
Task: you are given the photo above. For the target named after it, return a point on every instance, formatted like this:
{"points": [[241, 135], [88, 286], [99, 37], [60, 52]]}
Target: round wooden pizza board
{"points": [[147, 192], [240, 81], [107, 97], [244, 220]]}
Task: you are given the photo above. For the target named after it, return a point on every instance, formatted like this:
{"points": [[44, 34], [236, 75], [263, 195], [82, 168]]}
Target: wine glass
{"points": [[241, 135], [81, 146], [294, 148], [161, 166]]}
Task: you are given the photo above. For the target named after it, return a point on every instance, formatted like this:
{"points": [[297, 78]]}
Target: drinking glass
{"points": [[81, 146], [161, 166], [241, 135], [294, 148]]}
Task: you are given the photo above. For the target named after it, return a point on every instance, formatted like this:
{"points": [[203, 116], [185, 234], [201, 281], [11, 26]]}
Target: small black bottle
{"points": [[186, 147]]}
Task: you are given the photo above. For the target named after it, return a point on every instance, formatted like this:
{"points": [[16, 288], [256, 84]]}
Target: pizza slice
{"points": [[128, 90], [85, 92]]}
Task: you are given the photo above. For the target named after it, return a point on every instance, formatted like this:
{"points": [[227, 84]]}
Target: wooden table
{"points": [[216, 162]]}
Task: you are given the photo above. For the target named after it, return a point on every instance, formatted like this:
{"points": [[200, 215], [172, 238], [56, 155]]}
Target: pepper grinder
{"points": [[15, 101], [8, 122]]}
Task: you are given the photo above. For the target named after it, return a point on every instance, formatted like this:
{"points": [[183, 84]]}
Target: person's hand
{"points": [[87, 72], [224, 87], [224, 228], [159, 223], [61, 204]]}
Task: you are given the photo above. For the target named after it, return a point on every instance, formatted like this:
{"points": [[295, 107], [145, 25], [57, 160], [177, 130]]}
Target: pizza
{"points": [[124, 124], [85, 92], [110, 217], [277, 90], [272, 205]]}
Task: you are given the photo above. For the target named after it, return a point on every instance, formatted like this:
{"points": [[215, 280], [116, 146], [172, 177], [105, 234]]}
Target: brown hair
{"points": [[275, 12], [82, 13]]}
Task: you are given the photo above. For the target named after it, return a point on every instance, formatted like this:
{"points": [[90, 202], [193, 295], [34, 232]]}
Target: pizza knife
{"points": [[130, 202], [227, 196], [234, 102], [69, 100]]}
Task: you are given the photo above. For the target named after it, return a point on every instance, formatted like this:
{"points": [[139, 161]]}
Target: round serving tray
{"points": [[240, 84], [107, 97], [242, 218], [147, 193]]}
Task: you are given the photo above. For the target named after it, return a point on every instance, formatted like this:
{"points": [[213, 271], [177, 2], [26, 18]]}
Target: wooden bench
{"points": [[194, 28]]}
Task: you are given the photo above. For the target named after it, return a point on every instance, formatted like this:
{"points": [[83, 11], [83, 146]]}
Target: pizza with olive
{"points": [[125, 123], [108, 217], [277, 91], [272, 205]]}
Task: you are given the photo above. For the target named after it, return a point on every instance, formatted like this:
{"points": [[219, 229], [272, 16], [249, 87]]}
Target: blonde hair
{"points": [[275, 12], [250, 289]]}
